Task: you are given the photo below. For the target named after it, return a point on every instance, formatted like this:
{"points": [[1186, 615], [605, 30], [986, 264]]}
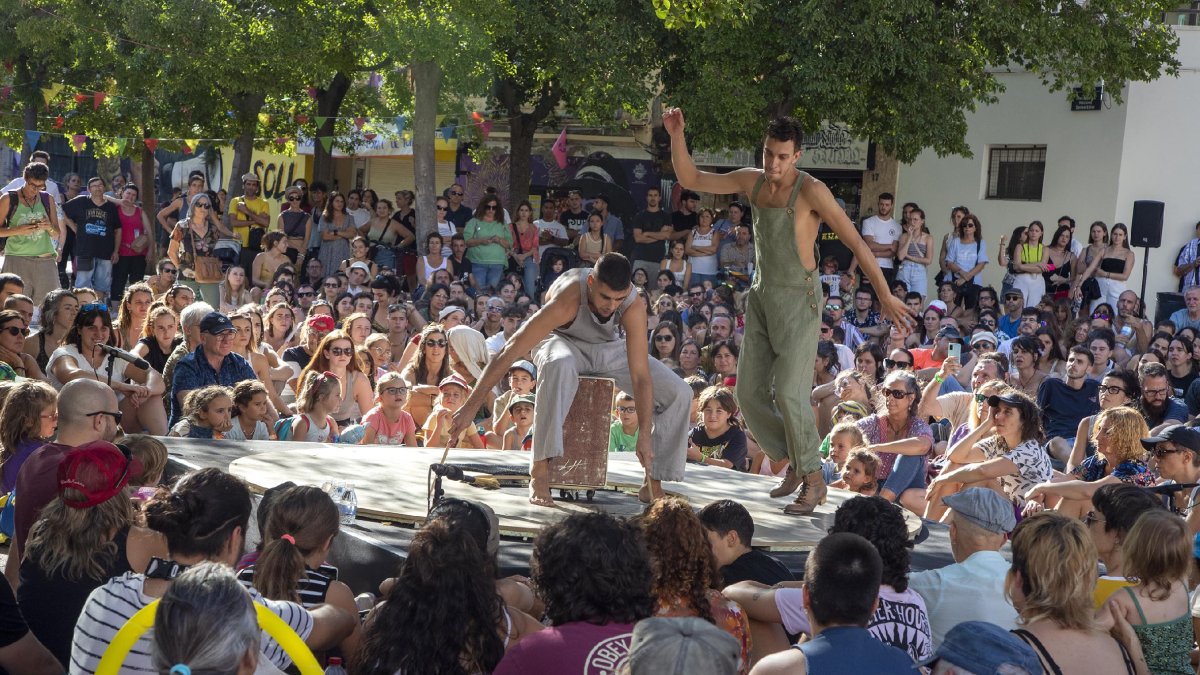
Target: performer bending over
{"points": [[783, 314], [579, 325]]}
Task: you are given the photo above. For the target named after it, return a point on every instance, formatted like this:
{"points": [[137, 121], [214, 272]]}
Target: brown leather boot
{"points": [[786, 486], [812, 494]]}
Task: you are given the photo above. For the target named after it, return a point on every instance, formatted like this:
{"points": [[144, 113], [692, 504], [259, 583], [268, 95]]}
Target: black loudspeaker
{"points": [[1167, 304], [1147, 224]]}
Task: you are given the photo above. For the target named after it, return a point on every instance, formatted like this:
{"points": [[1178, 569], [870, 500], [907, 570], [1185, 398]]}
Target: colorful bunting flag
{"points": [[151, 144], [559, 149], [326, 142], [321, 121], [359, 122], [48, 93], [58, 122], [97, 99], [4, 92], [121, 143], [447, 133], [31, 140], [301, 119], [370, 137], [79, 141], [400, 121], [80, 98]]}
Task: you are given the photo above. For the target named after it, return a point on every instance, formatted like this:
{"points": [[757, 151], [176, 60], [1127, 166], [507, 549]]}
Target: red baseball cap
{"points": [[99, 470], [321, 322]]}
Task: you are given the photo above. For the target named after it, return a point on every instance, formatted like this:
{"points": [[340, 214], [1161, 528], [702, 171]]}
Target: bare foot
{"points": [[539, 491], [651, 489]]}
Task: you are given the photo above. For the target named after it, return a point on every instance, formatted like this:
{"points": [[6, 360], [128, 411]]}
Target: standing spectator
{"points": [[702, 245], [1053, 571], [354, 207], [651, 230], [1116, 264], [594, 575], [843, 584], [488, 242], [337, 230], [1187, 263], [1059, 281], [966, 256], [882, 235], [136, 236], [614, 229], [458, 213], [1029, 260], [31, 229], [574, 218], [249, 217], [730, 532], [914, 254], [195, 236], [296, 226], [212, 362], [593, 243], [525, 253], [687, 217], [973, 588], [550, 231], [677, 264]]}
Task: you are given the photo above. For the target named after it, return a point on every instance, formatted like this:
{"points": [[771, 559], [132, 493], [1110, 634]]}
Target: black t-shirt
{"points": [[684, 222], [1063, 407], [574, 221], [755, 566], [409, 221], [96, 226], [460, 270], [297, 355], [458, 216], [830, 244], [12, 623], [1181, 384], [650, 221], [729, 446]]}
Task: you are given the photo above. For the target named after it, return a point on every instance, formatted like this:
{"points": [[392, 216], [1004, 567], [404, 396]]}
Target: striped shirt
{"points": [[110, 606], [311, 589]]}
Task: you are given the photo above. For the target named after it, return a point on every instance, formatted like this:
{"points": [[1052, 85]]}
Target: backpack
{"points": [[283, 428], [14, 200]]}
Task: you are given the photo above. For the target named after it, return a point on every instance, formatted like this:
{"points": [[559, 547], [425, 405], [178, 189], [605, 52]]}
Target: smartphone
{"points": [[955, 350]]}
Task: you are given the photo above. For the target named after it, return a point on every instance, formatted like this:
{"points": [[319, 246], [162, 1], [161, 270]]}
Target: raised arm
{"points": [[734, 182]]}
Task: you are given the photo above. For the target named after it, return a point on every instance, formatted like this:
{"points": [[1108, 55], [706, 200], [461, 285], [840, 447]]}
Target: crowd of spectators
{"points": [[1055, 393]]}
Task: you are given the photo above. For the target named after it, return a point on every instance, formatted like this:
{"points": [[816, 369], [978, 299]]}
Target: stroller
{"points": [[569, 258]]}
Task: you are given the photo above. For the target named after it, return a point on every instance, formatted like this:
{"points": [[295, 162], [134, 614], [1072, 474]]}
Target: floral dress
{"points": [[1132, 471], [727, 615]]}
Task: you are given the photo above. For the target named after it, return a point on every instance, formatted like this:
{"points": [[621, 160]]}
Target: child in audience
{"points": [[520, 435], [320, 395], [387, 423], [28, 419], [152, 454], [718, 440], [623, 434], [859, 475], [730, 530], [698, 385], [250, 412], [522, 379], [206, 413], [291, 566], [842, 438], [454, 391]]}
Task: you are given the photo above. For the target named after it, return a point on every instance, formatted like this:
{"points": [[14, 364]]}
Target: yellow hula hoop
{"points": [[143, 620]]}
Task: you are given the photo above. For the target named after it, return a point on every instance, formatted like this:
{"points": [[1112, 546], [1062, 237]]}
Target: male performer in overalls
{"points": [[775, 371], [577, 332]]}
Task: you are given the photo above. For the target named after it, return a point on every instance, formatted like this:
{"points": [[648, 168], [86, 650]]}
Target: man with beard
{"points": [[1156, 404], [1133, 331], [1064, 402]]}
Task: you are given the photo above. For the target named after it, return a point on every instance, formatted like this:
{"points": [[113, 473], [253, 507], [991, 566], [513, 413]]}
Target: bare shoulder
{"points": [[790, 662]]}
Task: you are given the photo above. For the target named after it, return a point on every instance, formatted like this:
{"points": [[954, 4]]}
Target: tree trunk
{"points": [[148, 191], [426, 84], [247, 106], [32, 100], [329, 102], [521, 129]]}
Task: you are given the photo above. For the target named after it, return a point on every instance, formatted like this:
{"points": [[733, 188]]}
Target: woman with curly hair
{"points": [[423, 377], [685, 572]]}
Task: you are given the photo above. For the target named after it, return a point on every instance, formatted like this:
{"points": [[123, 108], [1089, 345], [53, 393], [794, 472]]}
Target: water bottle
{"points": [[335, 666], [347, 503]]}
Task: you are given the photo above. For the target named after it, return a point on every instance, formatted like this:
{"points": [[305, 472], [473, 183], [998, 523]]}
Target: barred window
{"points": [[1016, 172]]}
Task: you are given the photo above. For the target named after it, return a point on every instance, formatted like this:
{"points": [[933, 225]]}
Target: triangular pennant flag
{"points": [[301, 119], [79, 141], [559, 149], [31, 140], [264, 118], [8, 65], [400, 121], [4, 92], [48, 93], [321, 121], [326, 142], [447, 133], [151, 144], [189, 145], [485, 128], [359, 122], [121, 143], [312, 93], [370, 137], [476, 117], [281, 141], [80, 98], [97, 99], [58, 122]]}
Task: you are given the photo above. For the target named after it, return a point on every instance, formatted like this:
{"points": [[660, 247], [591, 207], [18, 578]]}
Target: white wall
{"points": [[1097, 163]]}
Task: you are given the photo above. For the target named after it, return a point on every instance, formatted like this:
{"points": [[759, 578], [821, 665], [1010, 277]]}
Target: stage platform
{"points": [[392, 488]]}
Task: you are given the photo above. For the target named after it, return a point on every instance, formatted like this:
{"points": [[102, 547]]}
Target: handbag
{"points": [[207, 268], [1090, 288]]}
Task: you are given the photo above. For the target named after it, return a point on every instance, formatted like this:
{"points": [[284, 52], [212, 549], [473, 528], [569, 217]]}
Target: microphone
{"points": [[1171, 488], [447, 471], [133, 359]]}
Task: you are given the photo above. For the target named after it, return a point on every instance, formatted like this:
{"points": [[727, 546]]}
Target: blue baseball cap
{"points": [[984, 648]]}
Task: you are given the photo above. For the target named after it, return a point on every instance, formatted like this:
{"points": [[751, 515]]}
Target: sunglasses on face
{"points": [[170, 270], [293, 199], [897, 393], [305, 294], [341, 351], [94, 307], [331, 285], [436, 343], [456, 194], [1100, 315], [202, 205], [440, 207], [13, 330], [663, 338], [1163, 452], [889, 364], [115, 415]]}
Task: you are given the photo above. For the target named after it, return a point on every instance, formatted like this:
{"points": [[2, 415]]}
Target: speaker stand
{"points": [[1145, 271]]}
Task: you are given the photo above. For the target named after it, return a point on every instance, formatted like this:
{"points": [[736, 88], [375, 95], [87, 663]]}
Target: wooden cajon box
{"points": [[585, 436]]}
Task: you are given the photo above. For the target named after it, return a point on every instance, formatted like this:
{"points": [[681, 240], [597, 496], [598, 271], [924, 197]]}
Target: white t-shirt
{"points": [[447, 230], [885, 232], [360, 215], [555, 229], [51, 187], [111, 605], [118, 367], [495, 343], [972, 590]]}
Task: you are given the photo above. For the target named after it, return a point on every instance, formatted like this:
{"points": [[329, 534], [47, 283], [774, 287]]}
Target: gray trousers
{"points": [[561, 361], [39, 274]]}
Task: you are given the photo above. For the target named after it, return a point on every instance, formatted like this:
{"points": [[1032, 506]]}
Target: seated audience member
{"points": [[387, 423], [1004, 449], [594, 574], [982, 647], [522, 381], [291, 566], [20, 651], [189, 327], [206, 623], [1117, 435], [841, 590], [1116, 507], [730, 532], [1050, 584], [1118, 388], [971, 589], [520, 435], [900, 619], [902, 440], [85, 536], [454, 391], [685, 571], [204, 519], [250, 410], [861, 466], [28, 420], [207, 413], [718, 440], [1157, 403], [1063, 403], [1158, 553], [1175, 453], [150, 452], [623, 432], [211, 363], [683, 644]]}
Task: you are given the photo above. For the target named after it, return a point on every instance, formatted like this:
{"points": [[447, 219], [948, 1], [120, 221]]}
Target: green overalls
{"points": [[775, 369]]}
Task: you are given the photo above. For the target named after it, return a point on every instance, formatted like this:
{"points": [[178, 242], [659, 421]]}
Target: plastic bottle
{"points": [[347, 503], [335, 666]]}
